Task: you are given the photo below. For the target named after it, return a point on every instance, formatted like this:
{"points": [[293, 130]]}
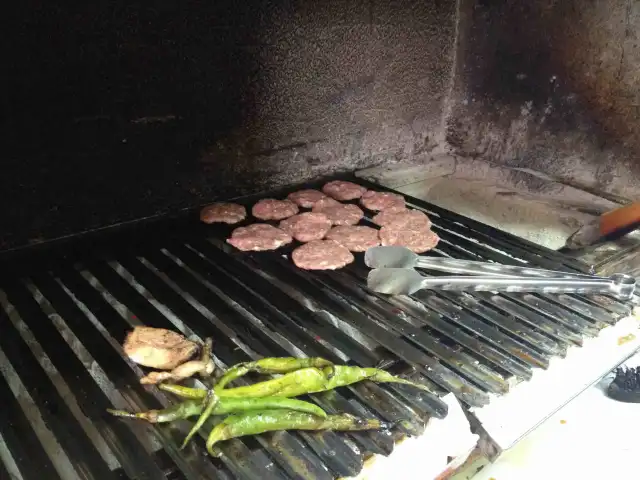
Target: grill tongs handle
{"points": [[401, 257], [405, 281]]}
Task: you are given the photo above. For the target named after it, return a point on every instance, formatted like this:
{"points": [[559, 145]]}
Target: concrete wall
{"points": [[551, 86], [112, 114], [117, 113]]}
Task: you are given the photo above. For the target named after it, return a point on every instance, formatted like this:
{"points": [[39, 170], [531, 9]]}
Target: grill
{"points": [[66, 308]]}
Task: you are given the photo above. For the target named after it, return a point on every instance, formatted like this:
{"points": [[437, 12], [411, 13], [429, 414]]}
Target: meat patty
{"points": [[418, 240], [307, 226], [342, 214], [402, 219], [321, 255], [258, 237], [325, 202], [223, 213], [341, 190], [356, 239], [306, 198], [271, 209], [380, 201]]}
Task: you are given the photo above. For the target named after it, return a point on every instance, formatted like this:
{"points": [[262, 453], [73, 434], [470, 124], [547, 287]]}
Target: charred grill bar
{"points": [[65, 311]]}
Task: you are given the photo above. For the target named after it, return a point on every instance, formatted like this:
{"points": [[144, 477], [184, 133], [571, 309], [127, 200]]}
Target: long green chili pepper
{"points": [[183, 392], [272, 420], [270, 366], [210, 403], [300, 382], [191, 408]]}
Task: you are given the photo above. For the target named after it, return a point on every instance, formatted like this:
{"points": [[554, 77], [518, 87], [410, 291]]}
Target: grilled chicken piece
{"points": [[158, 348], [205, 367], [186, 370]]}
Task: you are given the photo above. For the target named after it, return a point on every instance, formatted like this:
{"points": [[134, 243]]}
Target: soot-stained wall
{"points": [[113, 113], [119, 112], [551, 86]]}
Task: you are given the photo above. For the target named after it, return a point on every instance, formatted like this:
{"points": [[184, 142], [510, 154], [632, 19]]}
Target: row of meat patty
{"points": [[330, 231]]}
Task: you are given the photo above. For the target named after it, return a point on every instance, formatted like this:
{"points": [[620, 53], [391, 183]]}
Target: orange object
{"points": [[619, 219]]}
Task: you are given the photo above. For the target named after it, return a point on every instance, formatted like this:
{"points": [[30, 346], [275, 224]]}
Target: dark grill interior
{"points": [[65, 311]]}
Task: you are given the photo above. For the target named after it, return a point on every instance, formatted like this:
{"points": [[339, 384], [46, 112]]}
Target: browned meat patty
{"points": [[401, 219], [343, 190], [356, 239], [418, 240], [307, 226], [306, 198], [321, 255], [223, 213], [342, 214], [380, 201], [258, 237], [271, 209]]}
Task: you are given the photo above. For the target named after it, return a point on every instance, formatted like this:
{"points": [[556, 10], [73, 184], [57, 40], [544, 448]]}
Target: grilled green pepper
{"points": [[270, 366], [299, 382], [190, 408], [265, 365], [253, 423], [210, 402]]}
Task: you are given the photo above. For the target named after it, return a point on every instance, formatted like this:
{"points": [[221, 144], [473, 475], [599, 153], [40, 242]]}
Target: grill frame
{"points": [[472, 320]]}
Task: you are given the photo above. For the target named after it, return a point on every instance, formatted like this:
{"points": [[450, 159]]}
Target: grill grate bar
{"points": [[386, 339], [67, 321], [386, 410], [441, 314], [227, 327], [126, 380], [52, 407], [152, 317], [128, 450], [22, 442]]}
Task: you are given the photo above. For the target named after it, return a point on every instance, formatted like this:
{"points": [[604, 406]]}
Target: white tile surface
{"points": [[592, 437]]}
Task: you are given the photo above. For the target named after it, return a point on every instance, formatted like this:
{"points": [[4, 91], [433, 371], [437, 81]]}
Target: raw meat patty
{"points": [[380, 201], [223, 213], [356, 239], [306, 198], [418, 240], [402, 219], [342, 214], [325, 202], [321, 255], [343, 190], [271, 209], [307, 226], [258, 237]]}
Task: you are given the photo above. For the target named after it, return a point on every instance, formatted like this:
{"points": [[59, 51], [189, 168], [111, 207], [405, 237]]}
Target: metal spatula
{"points": [[401, 257], [405, 281]]}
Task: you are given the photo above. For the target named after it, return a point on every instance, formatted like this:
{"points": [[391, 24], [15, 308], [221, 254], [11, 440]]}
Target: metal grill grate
{"points": [[63, 320]]}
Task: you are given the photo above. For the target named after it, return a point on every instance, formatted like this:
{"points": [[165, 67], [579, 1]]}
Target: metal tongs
{"points": [[393, 274]]}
